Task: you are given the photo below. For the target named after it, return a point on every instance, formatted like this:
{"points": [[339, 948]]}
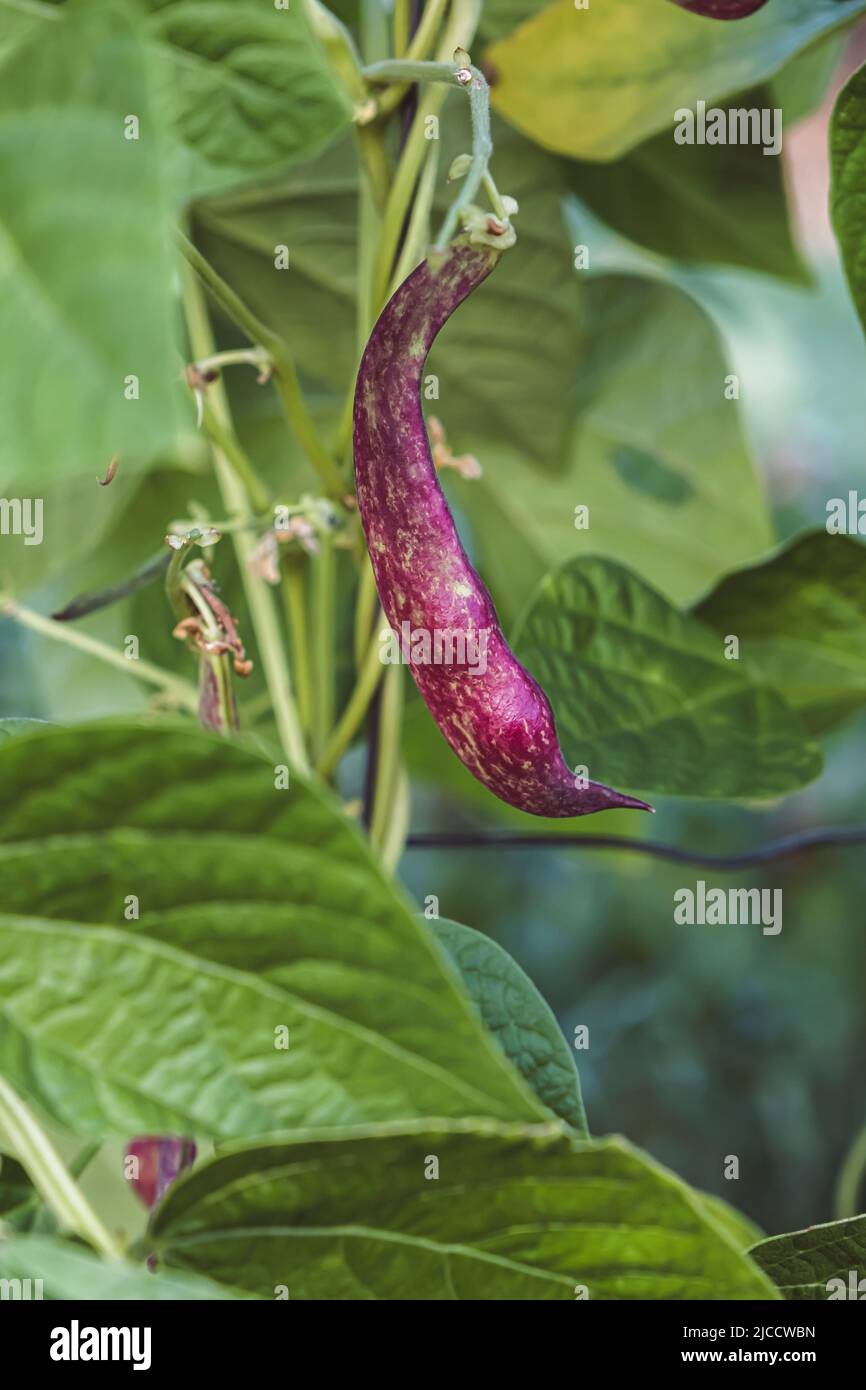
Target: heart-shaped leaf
{"points": [[522, 1022], [187, 947], [800, 619], [645, 698], [451, 1212]]}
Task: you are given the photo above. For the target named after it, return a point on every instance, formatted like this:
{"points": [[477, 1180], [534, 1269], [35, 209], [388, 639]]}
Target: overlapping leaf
{"points": [[451, 1212], [262, 920], [595, 82], [804, 1263], [800, 617], [518, 1017], [645, 697]]}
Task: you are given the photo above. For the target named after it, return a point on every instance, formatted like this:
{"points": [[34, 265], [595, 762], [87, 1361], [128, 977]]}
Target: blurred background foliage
{"points": [[588, 386]]}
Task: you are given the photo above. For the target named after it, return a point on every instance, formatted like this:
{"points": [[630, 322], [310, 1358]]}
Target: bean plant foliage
{"points": [[204, 210]]}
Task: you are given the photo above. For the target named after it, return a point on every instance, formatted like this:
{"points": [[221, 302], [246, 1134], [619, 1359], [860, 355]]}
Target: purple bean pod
{"points": [[721, 9], [494, 715]]}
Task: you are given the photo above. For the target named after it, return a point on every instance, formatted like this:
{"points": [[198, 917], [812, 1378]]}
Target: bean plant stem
{"points": [[49, 1174], [182, 693], [284, 374], [295, 600], [324, 600], [851, 1179], [419, 47], [260, 598], [365, 610], [459, 33], [387, 753], [369, 675]]}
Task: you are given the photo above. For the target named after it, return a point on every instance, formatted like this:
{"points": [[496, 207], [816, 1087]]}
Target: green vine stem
{"points": [[366, 606], [238, 504], [459, 33], [388, 754], [323, 614], [482, 143], [294, 585], [397, 828], [180, 692], [369, 674], [419, 47], [851, 1179], [284, 375], [49, 1174]]}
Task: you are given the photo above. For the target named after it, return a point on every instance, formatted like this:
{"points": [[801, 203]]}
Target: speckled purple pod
{"points": [[721, 9], [493, 713]]}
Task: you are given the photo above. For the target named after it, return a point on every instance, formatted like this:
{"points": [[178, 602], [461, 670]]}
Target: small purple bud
{"points": [[158, 1160]]}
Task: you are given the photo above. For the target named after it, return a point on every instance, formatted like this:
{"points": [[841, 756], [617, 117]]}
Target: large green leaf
{"points": [[260, 909], [69, 1273], [712, 205], [86, 297], [521, 1021], [595, 82], [800, 617], [848, 179], [247, 86], [803, 1263], [514, 1213], [645, 698], [659, 459], [505, 363]]}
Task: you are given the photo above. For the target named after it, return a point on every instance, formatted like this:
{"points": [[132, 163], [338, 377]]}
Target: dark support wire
{"points": [[786, 848]]}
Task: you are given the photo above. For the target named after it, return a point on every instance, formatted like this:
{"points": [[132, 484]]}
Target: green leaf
{"points": [[247, 86], [659, 458], [86, 297], [847, 175], [515, 1213], [800, 619], [70, 1273], [518, 1017], [492, 393], [803, 1263], [712, 205], [260, 910], [594, 83], [645, 698]]}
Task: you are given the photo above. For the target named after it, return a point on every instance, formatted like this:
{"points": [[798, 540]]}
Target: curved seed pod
{"points": [[721, 9], [493, 713]]}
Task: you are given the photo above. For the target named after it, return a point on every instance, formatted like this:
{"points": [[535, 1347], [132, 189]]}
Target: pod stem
{"points": [[474, 82]]}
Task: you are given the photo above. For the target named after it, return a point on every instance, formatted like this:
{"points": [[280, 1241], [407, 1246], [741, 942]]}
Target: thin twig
{"points": [[785, 848]]}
